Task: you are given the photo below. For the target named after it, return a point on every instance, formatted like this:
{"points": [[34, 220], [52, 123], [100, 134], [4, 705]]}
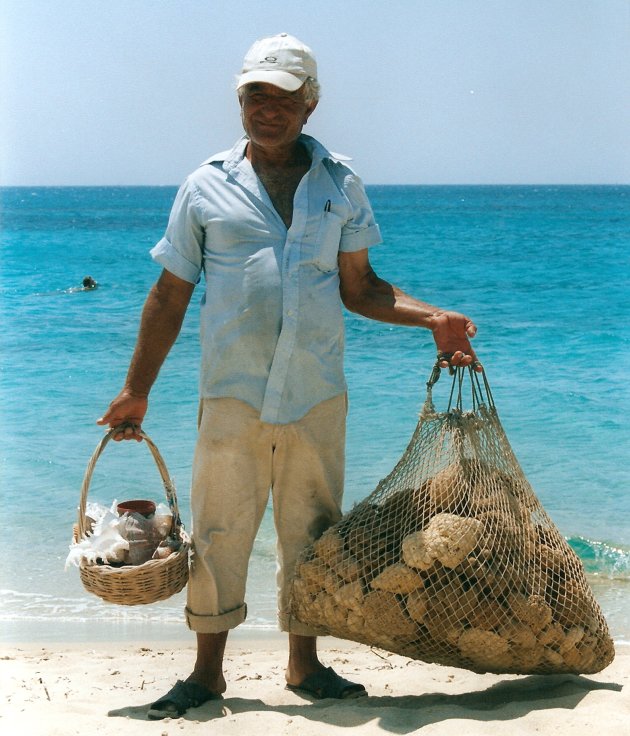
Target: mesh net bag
{"points": [[453, 560]]}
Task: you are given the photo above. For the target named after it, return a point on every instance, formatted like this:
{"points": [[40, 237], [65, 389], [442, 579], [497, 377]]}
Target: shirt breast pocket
{"points": [[328, 240]]}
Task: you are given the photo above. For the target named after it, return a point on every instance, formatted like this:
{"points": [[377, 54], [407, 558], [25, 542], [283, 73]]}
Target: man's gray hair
{"points": [[312, 90]]}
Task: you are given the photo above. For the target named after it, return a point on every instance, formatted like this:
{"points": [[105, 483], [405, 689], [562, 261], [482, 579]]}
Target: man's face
{"points": [[272, 117]]}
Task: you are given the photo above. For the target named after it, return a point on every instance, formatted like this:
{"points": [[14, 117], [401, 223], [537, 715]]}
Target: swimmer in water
{"points": [[89, 283]]}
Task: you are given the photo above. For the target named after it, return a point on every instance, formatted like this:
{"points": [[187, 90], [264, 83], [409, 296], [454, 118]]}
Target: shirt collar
{"points": [[233, 157]]}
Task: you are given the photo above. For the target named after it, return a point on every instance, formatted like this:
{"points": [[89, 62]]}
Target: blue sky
{"points": [[416, 91]]}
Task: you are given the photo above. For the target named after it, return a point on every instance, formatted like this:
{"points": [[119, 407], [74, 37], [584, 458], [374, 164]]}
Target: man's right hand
{"points": [[126, 409]]}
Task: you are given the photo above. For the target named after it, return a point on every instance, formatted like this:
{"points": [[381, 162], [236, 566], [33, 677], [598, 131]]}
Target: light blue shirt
{"points": [[272, 331]]}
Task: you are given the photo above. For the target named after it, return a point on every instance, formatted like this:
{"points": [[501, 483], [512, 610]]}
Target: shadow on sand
{"points": [[502, 701]]}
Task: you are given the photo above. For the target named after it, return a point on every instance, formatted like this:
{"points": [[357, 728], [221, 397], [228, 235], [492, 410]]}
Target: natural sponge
{"points": [[448, 539]]}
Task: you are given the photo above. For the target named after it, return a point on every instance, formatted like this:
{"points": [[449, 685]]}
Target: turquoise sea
{"points": [[542, 270]]}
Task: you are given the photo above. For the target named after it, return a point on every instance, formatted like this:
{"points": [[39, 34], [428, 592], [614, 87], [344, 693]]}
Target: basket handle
{"points": [[169, 487]]}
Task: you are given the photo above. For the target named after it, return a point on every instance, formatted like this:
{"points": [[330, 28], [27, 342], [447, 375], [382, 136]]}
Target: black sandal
{"points": [[328, 684], [181, 697]]}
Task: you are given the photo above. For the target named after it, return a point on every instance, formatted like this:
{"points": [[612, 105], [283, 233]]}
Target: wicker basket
{"points": [[131, 585]]}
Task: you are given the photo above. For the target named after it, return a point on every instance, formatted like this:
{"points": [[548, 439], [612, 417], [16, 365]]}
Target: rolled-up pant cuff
{"points": [[291, 625], [209, 624]]}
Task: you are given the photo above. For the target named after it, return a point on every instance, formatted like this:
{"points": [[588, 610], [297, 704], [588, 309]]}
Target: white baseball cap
{"points": [[281, 60]]}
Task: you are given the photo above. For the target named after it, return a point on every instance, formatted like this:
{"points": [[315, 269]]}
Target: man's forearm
{"points": [[363, 292], [160, 324], [380, 300]]}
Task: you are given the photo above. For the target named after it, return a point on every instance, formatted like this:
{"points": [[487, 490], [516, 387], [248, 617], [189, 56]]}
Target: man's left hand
{"points": [[452, 332]]}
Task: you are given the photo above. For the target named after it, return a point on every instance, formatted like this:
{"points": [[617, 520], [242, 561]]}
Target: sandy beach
{"points": [[67, 689]]}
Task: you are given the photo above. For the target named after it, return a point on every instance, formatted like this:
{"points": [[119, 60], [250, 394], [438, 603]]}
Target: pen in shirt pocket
{"points": [[327, 206]]}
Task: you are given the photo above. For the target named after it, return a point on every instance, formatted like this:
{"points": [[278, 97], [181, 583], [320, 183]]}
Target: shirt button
{"points": [[289, 313]]}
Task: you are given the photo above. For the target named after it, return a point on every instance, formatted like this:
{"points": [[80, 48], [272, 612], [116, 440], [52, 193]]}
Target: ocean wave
{"points": [[602, 558], [40, 606]]}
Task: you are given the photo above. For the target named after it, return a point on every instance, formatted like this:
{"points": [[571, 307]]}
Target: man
{"points": [[281, 229]]}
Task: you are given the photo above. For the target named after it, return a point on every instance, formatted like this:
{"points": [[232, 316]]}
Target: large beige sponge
{"points": [[448, 539]]}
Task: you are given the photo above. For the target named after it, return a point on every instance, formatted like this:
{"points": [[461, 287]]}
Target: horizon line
{"points": [[367, 184]]}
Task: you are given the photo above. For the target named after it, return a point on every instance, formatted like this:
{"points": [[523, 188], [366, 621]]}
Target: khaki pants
{"points": [[238, 461]]}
